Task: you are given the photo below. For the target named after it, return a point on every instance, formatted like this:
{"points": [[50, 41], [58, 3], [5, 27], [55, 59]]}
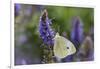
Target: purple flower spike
{"points": [[86, 51], [77, 31], [46, 33]]}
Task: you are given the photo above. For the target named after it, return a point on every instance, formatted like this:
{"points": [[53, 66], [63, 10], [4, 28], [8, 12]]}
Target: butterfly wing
{"points": [[63, 47], [70, 47], [60, 48]]}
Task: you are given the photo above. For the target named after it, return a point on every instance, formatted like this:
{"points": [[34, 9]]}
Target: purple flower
{"points": [[86, 51], [17, 9], [77, 31], [68, 59], [46, 33]]}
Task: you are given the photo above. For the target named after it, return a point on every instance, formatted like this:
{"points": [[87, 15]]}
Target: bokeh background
{"points": [[26, 29]]}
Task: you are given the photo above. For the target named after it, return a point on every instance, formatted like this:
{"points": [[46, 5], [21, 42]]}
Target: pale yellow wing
{"points": [[63, 47]]}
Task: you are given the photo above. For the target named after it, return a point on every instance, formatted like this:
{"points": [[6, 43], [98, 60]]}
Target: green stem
{"points": [[48, 54]]}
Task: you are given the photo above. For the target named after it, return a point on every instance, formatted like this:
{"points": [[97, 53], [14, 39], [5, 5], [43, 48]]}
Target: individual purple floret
{"points": [[46, 33], [77, 31]]}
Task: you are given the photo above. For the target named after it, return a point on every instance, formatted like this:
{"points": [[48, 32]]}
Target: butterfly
{"points": [[62, 47]]}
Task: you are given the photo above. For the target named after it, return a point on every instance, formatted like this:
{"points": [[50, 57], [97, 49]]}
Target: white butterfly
{"points": [[63, 47]]}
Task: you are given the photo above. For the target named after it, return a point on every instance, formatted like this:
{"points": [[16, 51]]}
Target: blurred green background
{"points": [[26, 26]]}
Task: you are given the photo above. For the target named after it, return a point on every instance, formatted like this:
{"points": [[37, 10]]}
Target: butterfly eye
{"points": [[67, 47]]}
